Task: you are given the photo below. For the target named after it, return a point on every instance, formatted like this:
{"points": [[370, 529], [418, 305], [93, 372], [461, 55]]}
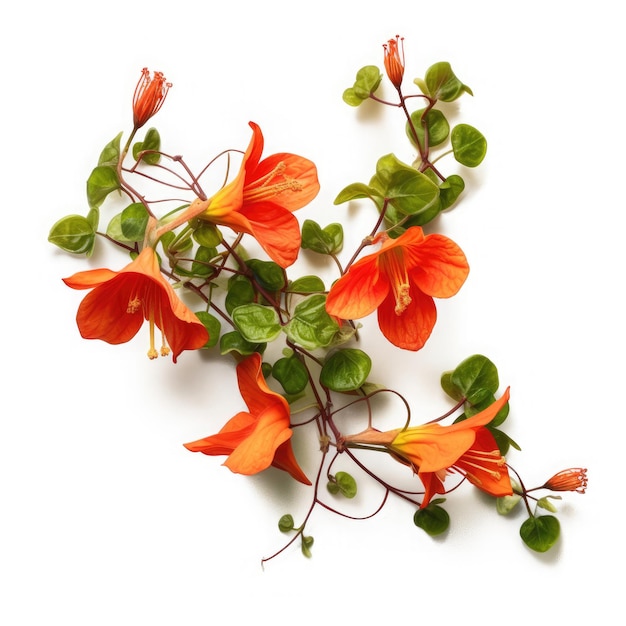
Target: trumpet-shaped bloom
{"points": [[261, 199], [394, 63], [433, 451], [260, 437], [572, 479], [400, 280], [115, 309], [149, 96]]}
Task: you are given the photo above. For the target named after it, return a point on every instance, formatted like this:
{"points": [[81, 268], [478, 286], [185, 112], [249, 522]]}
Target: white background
{"points": [[106, 519]]}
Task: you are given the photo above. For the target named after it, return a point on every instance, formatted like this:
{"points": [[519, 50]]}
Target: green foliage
{"points": [[310, 326], [213, 326], [345, 370], [432, 519], [240, 292], [540, 532], [267, 274], [110, 155], [291, 373], [307, 542], [235, 342], [73, 233], [468, 144], [342, 483], [306, 284], [442, 84], [151, 142], [368, 79], [257, 323], [327, 240], [102, 181], [436, 124], [286, 523]]}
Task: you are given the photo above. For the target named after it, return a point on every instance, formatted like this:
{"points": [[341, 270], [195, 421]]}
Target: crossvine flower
{"points": [[260, 437], [149, 96], [394, 61], [400, 280], [119, 302]]}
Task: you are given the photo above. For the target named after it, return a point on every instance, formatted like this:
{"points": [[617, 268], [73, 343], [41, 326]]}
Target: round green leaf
{"points": [[442, 83], [257, 323], [540, 533], [311, 326], [208, 235], [342, 483], [73, 233], [436, 123], [474, 373], [268, 274], [345, 370], [432, 519], [285, 523], [213, 326], [133, 221], [306, 284], [101, 182], [468, 144], [240, 291], [234, 342], [291, 373]]}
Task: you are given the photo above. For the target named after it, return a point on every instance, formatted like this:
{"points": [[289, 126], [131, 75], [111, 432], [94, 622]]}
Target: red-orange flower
{"points": [[260, 200], [394, 64], [259, 438], [572, 479], [149, 96], [400, 280], [433, 451], [120, 301]]}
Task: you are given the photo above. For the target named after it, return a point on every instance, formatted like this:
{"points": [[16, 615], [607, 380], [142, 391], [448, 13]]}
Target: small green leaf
{"points": [[450, 190], [306, 284], [442, 84], [356, 191], [544, 503], [285, 523], [101, 182], [436, 123], [213, 326], [291, 373], [468, 144], [541, 532], [345, 370], [505, 504], [257, 323], [208, 235], [152, 141], [201, 265], [327, 240], [73, 233], [367, 81], [474, 373], [342, 483], [449, 387], [110, 154], [240, 291], [307, 542], [234, 342], [268, 274], [311, 326], [432, 519], [133, 221]]}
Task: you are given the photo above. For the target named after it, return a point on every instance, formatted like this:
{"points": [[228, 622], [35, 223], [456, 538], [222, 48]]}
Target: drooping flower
{"points": [[394, 63], [115, 309], [400, 280], [572, 479], [149, 96], [433, 451], [260, 437], [261, 199]]}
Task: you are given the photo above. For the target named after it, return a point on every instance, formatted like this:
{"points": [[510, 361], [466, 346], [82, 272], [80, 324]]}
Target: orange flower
{"points": [[115, 310], [394, 65], [260, 200], [259, 438], [572, 479], [432, 450], [149, 96], [400, 281]]}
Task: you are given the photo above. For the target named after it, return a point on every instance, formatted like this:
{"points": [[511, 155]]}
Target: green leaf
{"points": [[505, 504], [291, 373], [343, 483], [345, 370], [437, 124], [367, 81], [269, 275], [240, 291], [432, 519], [356, 191], [544, 503], [468, 145], [306, 284], [475, 373], [327, 240], [101, 182], [257, 323], [73, 233], [442, 84], [201, 265], [110, 154], [541, 532], [450, 190], [152, 141], [449, 387], [234, 342], [133, 221], [213, 326], [207, 235], [311, 326], [286, 523], [307, 542]]}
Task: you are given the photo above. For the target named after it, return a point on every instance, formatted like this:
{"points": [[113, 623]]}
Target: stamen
{"points": [[152, 353], [393, 265], [480, 461], [133, 305], [264, 188]]}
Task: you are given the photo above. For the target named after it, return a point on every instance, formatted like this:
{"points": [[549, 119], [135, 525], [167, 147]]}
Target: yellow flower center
{"points": [[392, 264], [272, 184]]}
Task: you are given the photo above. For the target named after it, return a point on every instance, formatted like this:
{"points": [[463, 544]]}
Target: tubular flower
{"points": [[149, 96], [261, 198], [400, 280], [259, 438], [433, 451], [572, 479], [120, 301], [394, 65]]}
